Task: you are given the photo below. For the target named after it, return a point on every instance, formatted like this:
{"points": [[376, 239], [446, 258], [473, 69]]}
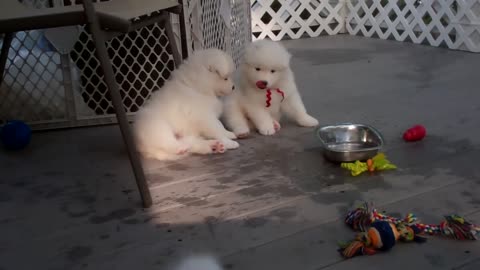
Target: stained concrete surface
{"points": [[69, 201]]}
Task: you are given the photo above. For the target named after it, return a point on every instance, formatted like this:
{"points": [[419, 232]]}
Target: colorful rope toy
{"points": [[381, 236], [378, 163], [380, 232]]}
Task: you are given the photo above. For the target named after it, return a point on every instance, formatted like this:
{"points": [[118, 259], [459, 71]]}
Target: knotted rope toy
{"points": [[380, 232], [381, 236], [378, 163]]}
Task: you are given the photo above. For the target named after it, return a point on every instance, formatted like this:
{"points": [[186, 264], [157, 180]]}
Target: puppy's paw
{"points": [[276, 125], [182, 149], [242, 133], [231, 135], [217, 147], [231, 144], [267, 130], [307, 121]]}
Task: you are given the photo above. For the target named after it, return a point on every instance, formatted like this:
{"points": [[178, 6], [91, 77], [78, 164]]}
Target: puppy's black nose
{"points": [[233, 87]]}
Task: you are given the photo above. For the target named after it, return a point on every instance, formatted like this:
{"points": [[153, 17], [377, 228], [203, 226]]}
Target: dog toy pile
{"points": [[381, 236], [377, 163], [379, 232]]}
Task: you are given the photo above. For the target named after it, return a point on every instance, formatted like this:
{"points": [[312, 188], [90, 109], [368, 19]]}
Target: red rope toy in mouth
{"points": [[268, 94]]}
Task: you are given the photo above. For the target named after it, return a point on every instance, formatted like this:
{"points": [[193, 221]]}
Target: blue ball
{"points": [[15, 135]]}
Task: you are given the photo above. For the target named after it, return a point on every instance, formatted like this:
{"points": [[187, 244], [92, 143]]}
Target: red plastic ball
{"points": [[415, 133]]}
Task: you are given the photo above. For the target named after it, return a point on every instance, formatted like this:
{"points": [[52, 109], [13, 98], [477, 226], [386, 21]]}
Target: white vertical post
{"points": [[343, 14]]}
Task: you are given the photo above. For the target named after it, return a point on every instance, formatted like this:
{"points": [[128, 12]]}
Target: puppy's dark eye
{"points": [[273, 70], [226, 79], [257, 69]]}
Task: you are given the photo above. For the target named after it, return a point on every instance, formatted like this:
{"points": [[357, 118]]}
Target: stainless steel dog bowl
{"points": [[349, 142]]}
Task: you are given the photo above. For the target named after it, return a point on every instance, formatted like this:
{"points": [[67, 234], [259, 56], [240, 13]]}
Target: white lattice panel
{"points": [[293, 19], [33, 81], [448, 23], [218, 24], [142, 61], [51, 88], [33, 87]]}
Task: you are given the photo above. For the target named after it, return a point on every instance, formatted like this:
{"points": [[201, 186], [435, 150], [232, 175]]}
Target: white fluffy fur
{"points": [[268, 61], [198, 262], [183, 116]]}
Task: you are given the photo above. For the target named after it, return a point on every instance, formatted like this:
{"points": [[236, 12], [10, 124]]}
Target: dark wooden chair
{"points": [[105, 20]]}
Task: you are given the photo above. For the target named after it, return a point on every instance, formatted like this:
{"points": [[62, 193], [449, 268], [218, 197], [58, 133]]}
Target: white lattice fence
{"points": [[293, 19], [142, 60], [51, 87], [218, 24], [33, 87], [448, 23]]}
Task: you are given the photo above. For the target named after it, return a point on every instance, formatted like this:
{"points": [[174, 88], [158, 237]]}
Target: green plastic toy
{"points": [[378, 163]]}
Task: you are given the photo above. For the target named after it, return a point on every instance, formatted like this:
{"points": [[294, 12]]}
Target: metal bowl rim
{"points": [[374, 130]]}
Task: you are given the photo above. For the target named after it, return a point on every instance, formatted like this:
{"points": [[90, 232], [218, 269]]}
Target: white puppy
{"points": [[266, 89], [198, 262], [183, 116]]}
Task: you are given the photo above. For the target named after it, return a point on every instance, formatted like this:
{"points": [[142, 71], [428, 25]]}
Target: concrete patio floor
{"points": [[69, 201]]}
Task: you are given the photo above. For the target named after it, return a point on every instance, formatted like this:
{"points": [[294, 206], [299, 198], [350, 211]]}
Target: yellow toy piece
{"points": [[378, 163]]}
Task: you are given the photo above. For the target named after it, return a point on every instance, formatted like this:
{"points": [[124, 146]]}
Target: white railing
{"points": [[453, 24], [52, 88], [277, 19], [223, 24]]}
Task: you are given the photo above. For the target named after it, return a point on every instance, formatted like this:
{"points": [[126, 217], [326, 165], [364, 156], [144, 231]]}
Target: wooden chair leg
{"points": [[183, 31], [7, 42], [171, 39], [102, 53]]}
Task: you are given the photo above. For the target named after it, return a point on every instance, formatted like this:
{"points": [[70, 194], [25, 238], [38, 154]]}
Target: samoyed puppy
{"points": [[198, 262], [267, 89], [183, 116]]}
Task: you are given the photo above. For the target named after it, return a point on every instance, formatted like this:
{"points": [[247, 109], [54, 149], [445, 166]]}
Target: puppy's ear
{"points": [[289, 56]]}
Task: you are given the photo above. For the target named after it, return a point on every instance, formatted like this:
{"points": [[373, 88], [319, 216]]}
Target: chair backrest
{"points": [[130, 9], [14, 16], [116, 14], [10, 8]]}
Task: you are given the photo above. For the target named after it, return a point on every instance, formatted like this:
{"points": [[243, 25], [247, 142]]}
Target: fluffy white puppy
{"points": [[267, 89], [198, 262], [183, 116]]}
